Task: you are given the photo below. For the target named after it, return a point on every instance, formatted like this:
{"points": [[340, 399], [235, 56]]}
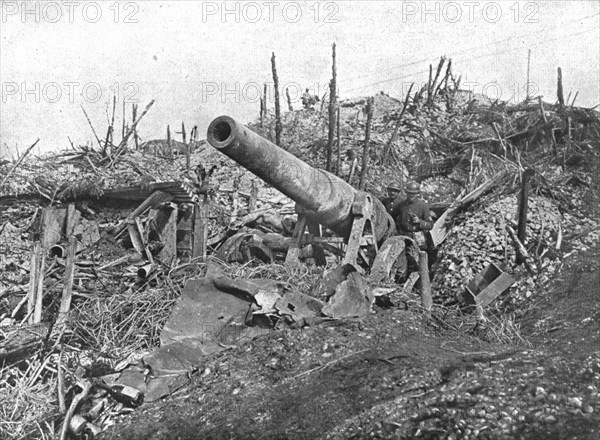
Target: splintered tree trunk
{"points": [[278, 126], [388, 147], [332, 105], [365, 159], [169, 146], [135, 135], [559, 88], [339, 144]]}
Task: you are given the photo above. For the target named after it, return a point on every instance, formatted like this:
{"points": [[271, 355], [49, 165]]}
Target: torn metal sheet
{"points": [[330, 280], [352, 298], [488, 285], [299, 306], [211, 315]]}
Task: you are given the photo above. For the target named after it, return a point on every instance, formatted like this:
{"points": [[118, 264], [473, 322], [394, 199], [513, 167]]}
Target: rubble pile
{"points": [[110, 239], [479, 238]]}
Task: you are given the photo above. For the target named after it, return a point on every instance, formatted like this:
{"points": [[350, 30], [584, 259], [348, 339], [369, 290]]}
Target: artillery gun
{"points": [[322, 199]]}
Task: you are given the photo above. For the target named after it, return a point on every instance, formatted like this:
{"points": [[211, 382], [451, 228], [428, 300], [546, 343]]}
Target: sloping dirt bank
{"points": [[398, 374]]}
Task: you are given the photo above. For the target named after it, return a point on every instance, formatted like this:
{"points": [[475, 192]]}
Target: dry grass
{"points": [[28, 400]]}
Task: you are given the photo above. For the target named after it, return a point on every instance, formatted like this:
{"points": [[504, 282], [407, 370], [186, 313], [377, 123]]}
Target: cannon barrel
{"points": [[321, 195]]}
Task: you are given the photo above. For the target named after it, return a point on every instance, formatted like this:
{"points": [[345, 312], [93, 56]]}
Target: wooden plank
{"points": [[73, 216], [165, 220]]}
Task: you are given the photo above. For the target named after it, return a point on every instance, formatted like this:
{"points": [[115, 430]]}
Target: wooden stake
{"points": [[278, 126], [39, 295], [65, 302], [34, 270], [522, 213], [426, 299], [332, 106], [365, 159]]}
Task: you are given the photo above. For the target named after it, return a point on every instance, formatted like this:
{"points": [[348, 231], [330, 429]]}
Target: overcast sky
{"points": [[199, 60]]}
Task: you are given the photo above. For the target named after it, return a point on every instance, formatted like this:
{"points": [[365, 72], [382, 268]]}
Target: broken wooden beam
{"points": [[154, 200], [520, 249], [440, 228]]}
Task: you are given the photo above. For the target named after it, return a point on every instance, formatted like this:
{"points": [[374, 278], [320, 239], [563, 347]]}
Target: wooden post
{"points": [[278, 126], [332, 105], [426, 299], [522, 213], [365, 159], [65, 302], [34, 271], [559, 88], [289, 100], [200, 231]]}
